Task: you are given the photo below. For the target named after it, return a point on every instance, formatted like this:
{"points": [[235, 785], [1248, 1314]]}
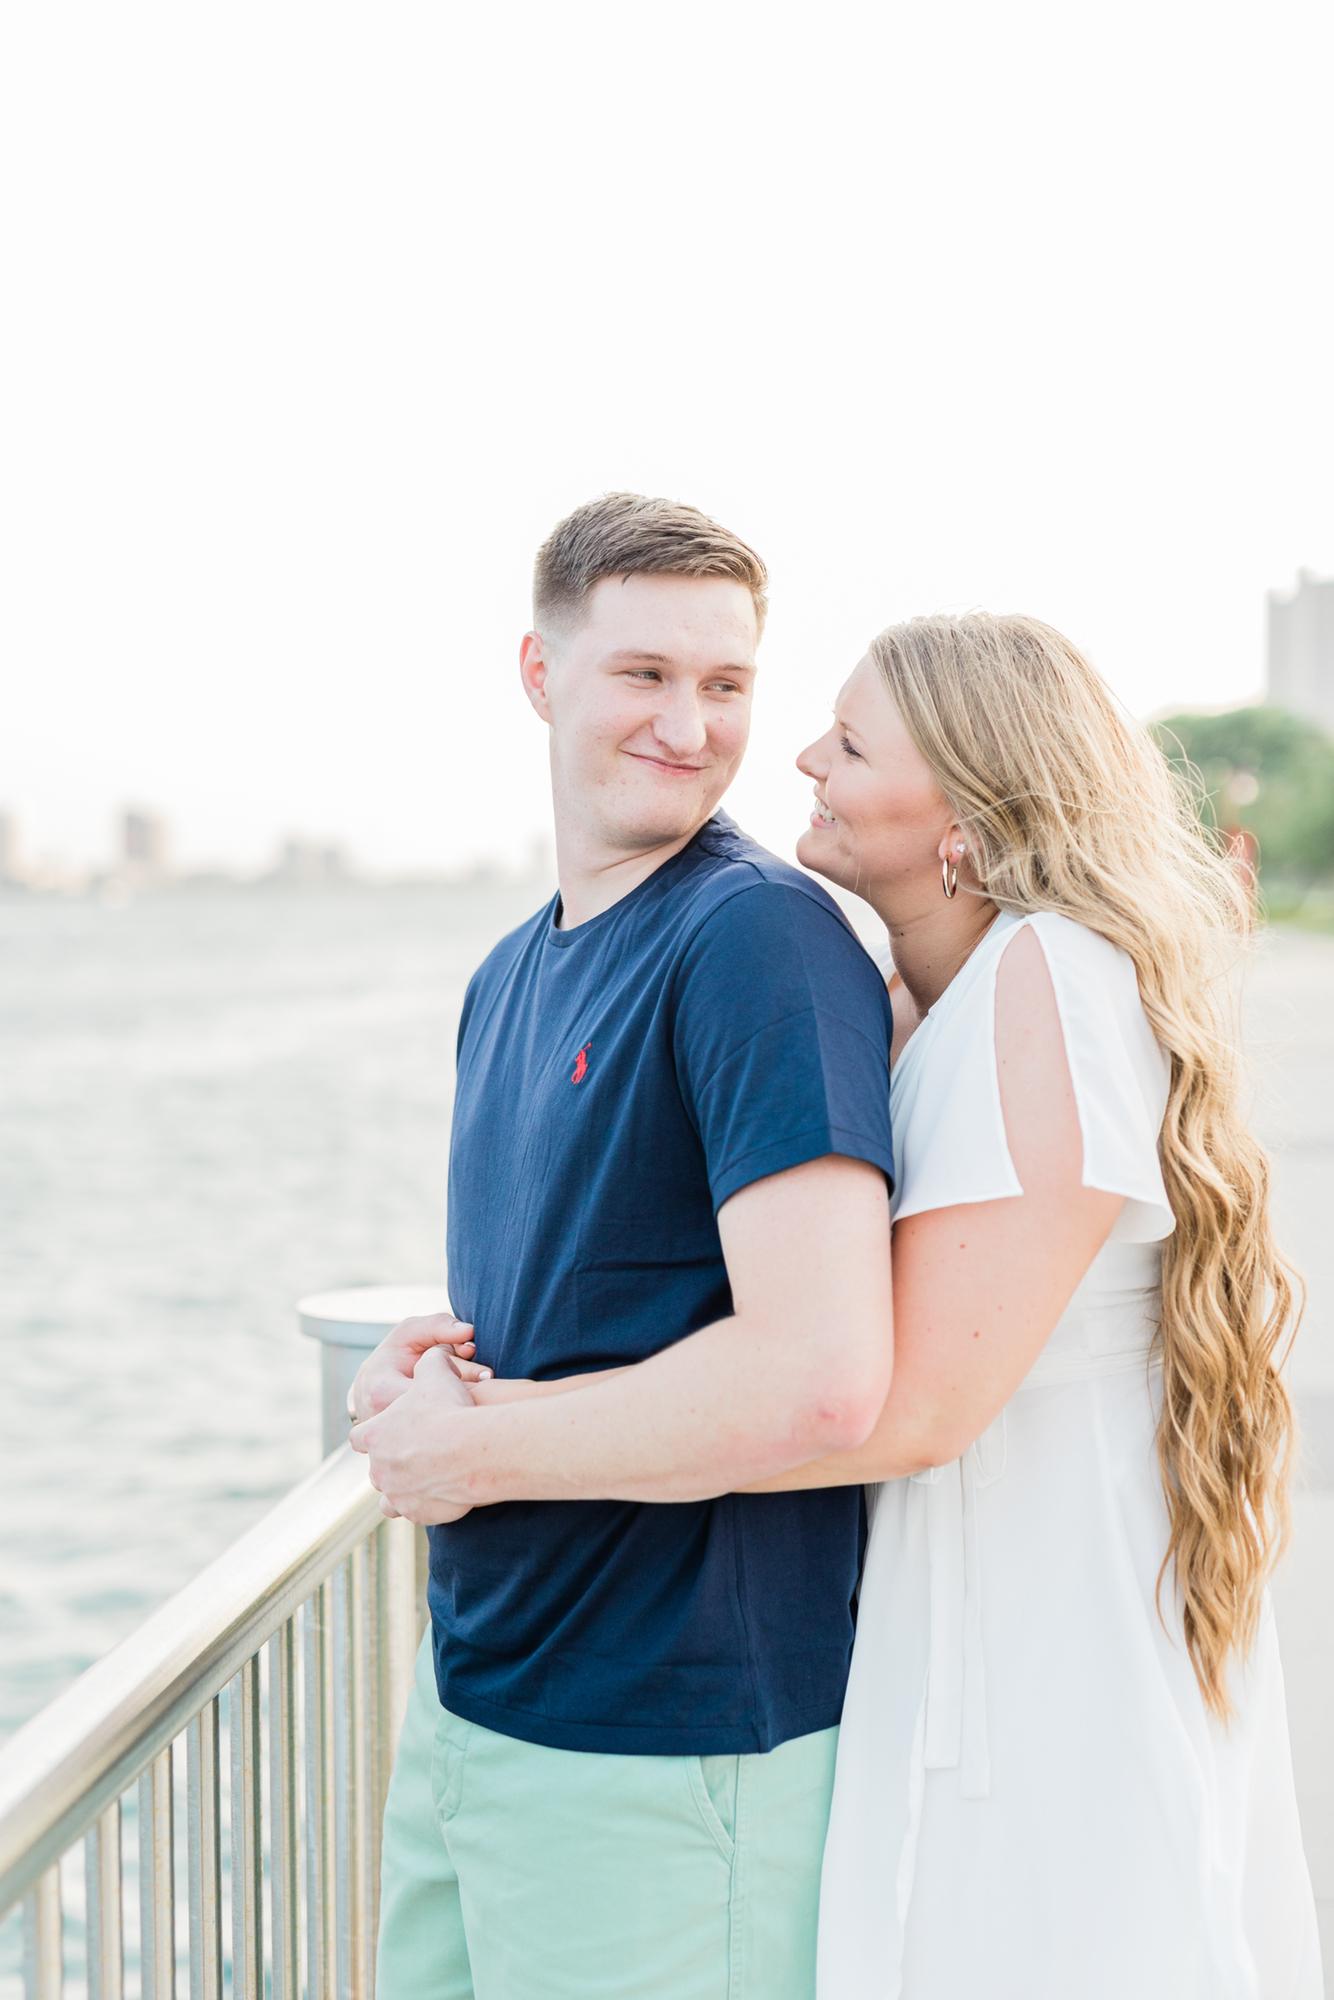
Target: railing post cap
{"points": [[361, 1315]]}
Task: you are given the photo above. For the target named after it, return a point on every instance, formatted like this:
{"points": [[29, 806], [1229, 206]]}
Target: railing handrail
{"points": [[66, 1765]]}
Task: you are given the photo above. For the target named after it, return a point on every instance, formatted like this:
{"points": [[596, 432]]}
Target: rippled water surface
{"points": [[211, 1102]]}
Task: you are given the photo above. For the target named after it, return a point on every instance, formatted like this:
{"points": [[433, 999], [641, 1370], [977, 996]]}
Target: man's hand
{"points": [[408, 1445], [387, 1372]]}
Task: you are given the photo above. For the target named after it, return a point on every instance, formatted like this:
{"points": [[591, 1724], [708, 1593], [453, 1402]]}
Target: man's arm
{"points": [[807, 1255]]}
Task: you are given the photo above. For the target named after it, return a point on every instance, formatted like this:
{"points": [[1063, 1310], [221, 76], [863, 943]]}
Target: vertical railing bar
{"points": [[283, 1831], [402, 1542], [361, 1712], [43, 1956], [327, 1771], [144, 1869], [104, 1929], [342, 1781], [247, 1887], [164, 1873], [377, 1729], [157, 1881], [314, 1743], [421, 1552], [204, 1852]]}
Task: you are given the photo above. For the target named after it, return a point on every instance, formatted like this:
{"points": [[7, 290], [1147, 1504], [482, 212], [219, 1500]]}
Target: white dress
{"points": [[1032, 1801]]}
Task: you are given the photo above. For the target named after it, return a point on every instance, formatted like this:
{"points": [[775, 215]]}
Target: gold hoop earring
{"points": [[949, 878]]}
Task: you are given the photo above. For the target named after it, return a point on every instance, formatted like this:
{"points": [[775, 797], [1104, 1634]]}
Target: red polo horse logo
{"points": [[581, 1064]]}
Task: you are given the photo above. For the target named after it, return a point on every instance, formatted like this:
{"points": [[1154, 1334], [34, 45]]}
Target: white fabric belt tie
{"points": [[956, 1737]]}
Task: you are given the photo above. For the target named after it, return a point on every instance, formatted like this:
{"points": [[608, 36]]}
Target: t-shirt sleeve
{"points": [[781, 1036], [1121, 1076], [465, 1011], [952, 1126]]}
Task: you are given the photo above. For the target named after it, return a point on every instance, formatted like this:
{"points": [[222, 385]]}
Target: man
{"points": [[670, 1147]]}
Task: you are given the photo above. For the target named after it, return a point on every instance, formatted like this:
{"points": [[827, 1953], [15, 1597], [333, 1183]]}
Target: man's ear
{"points": [[533, 670]]}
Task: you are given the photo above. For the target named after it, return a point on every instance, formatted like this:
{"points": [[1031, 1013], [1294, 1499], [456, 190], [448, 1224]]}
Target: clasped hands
{"points": [[406, 1406]]}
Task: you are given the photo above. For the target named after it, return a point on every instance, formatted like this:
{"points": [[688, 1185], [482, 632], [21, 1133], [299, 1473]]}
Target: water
{"points": [[211, 1102]]}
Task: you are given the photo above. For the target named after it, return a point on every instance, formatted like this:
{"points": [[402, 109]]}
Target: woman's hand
{"points": [[388, 1371], [413, 1447], [487, 1391]]}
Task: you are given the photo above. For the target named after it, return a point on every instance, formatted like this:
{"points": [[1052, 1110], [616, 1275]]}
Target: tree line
{"points": [[1266, 779]]}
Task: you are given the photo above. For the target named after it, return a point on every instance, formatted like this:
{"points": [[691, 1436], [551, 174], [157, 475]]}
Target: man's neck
{"points": [[591, 877]]}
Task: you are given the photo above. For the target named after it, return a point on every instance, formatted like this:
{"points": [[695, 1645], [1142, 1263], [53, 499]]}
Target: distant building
{"points": [[1300, 661], [10, 867], [310, 863], [143, 845]]}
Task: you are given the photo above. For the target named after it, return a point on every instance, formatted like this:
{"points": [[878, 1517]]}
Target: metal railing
{"points": [[282, 1670]]}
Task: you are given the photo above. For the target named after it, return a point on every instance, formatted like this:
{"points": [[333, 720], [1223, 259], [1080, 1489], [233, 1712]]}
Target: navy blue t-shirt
{"points": [[617, 1082]]}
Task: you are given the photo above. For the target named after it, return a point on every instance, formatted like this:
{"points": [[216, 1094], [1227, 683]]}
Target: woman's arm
{"points": [[491, 1391], [978, 1288]]}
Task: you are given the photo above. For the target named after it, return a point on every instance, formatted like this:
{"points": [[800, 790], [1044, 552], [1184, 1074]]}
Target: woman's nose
{"points": [[808, 760]]}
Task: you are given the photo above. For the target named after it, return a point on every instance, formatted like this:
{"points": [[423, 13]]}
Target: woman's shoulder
{"points": [[1066, 938], [1096, 987], [1087, 969], [1075, 959], [953, 1127]]}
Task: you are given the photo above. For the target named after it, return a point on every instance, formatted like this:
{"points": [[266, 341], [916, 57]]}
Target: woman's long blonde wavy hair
{"points": [[1067, 804]]}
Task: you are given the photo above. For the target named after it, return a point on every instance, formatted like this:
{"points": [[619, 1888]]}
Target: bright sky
{"points": [[319, 316]]}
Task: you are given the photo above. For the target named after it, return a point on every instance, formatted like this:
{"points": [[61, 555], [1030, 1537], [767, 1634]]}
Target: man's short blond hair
{"points": [[627, 534]]}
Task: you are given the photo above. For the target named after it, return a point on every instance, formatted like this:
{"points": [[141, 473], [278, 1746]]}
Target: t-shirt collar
{"points": [[718, 822]]}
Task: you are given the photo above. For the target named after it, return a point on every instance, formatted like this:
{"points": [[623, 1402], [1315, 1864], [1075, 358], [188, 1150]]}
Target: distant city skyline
{"points": [[1297, 672], [144, 857]]}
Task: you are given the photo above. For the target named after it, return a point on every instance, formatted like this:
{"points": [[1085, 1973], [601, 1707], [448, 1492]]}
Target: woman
{"points": [[1063, 1767]]}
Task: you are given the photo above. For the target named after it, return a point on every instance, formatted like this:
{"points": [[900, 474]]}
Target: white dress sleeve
{"points": [[950, 1140]]}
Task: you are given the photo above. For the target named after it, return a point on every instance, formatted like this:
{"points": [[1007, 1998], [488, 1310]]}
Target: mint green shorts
{"points": [[514, 1872]]}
